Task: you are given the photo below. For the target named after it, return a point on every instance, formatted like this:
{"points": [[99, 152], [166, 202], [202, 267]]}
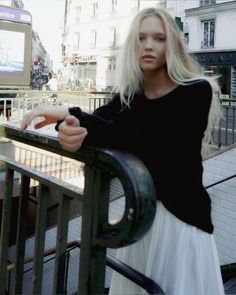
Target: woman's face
{"points": [[152, 37]]}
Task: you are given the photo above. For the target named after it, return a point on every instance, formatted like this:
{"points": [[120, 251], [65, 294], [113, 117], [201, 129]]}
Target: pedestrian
{"points": [[163, 110], [52, 82]]}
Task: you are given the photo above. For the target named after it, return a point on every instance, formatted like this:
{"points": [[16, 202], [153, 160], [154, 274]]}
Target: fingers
{"points": [[28, 117], [70, 135], [41, 124], [72, 121], [26, 121], [68, 130], [72, 143], [50, 114]]}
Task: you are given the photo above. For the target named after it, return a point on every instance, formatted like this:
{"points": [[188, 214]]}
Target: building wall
{"points": [[224, 15], [82, 18], [13, 3], [81, 21], [217, 58]]}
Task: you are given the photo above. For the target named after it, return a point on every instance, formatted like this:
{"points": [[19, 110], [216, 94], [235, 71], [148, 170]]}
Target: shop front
{"points": [[222, 63]]}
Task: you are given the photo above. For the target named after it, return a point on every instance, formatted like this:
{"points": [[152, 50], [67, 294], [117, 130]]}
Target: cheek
{"points": [[140, 52], [140, 49], [162, 51]]}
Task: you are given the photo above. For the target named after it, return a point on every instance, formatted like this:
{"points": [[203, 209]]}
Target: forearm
{"points": [[99, 129]]}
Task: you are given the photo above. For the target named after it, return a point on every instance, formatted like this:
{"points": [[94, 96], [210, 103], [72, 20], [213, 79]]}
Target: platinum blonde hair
{"points": [[181, 67]]}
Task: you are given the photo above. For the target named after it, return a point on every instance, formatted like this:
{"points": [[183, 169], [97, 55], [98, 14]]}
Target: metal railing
{"points": [[101, 165], [125, 270], [228, 271], [15, 103], [24, 100], [225, 133]]}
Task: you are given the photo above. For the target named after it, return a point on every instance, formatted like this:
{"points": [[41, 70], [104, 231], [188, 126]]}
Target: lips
{"points": [[148, 57]]}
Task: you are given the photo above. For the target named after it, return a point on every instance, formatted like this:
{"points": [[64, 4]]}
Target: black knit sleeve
{"points": [[202, 93], [100, 123]]}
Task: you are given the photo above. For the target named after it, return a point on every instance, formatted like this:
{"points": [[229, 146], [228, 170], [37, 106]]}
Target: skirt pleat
{"points": [[180, 258]]}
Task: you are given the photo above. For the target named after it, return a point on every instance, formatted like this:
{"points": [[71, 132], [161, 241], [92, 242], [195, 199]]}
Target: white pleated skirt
{"points": [[180, 258]]}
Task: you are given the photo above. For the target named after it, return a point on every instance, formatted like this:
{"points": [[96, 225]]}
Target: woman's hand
{"points": [[50, 114], [70, 134]]}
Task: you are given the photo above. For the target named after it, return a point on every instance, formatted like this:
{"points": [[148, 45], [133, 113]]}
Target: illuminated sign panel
{"points": [[15, 46], [15, 15]]}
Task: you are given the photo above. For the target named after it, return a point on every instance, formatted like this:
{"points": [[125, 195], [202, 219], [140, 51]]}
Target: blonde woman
{"points": [[162, 110]]}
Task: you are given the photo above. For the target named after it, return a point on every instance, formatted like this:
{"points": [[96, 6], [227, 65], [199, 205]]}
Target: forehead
{"points": [[152, 24]]}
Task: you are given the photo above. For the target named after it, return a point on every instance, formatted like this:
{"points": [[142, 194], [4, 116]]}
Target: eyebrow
{"points": [[155, 33]]}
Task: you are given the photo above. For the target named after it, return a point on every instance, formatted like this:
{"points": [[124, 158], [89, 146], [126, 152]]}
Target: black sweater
{"points": [[166, 134]]}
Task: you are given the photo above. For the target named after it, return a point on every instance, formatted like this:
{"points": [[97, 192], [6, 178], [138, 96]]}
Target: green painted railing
{"points": [[101, 165]]}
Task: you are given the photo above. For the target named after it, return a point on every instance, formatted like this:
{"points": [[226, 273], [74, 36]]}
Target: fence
{"points": [[13, 109], [225, 133], [97, 233]]}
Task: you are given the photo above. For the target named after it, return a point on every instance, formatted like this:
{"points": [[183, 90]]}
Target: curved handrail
{"points": [[136, 180], [97, 233]]}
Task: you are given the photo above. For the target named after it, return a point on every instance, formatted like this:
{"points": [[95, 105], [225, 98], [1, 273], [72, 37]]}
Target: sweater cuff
{"points": [[73, 111], [58, 124], [79, 114]]}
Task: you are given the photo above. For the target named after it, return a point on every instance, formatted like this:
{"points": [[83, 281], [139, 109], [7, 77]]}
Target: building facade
{"points": [[211, 27], [41, 61], [12, 3], [94, 31]]}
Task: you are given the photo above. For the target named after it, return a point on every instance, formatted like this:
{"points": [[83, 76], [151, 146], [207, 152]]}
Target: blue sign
{"points": [[15, 15]]}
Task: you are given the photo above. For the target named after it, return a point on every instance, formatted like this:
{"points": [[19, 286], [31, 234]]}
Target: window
{"points": [[137, 3], [113, 5], [208, 34], [78, 8], [233, 82], [111, 63], [112, 37], [77, 39], [78, 14], [207, 2], [93, 39], [162, 4], [94, 8]]}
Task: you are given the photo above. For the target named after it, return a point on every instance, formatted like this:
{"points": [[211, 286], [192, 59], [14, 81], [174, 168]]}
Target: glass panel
{"points": [[205, 32], [208, 33], [207, 2], [212, 33]]}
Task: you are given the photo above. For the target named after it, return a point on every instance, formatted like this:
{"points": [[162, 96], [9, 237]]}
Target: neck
{"points": [[157, 84]]}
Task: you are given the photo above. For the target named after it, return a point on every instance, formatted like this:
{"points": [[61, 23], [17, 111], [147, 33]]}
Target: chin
{"points": [[149, 68]]}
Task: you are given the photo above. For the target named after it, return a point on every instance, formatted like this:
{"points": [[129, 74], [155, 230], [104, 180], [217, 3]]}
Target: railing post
{"points": [[62, 233], [92, 256], [5, 226], [21, 234], [41, 220], [97, 233]]}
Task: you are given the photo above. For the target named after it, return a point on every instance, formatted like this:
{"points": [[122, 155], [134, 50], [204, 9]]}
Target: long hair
{"points": [[182, 68]]}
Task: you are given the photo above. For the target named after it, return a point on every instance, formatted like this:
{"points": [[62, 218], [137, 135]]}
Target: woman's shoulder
{"points": [[200, 86], [115, 96], [199, 83]]}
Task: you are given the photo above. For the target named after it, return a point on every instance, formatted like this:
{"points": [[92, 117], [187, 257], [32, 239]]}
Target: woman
{"points": [[161, 114]]}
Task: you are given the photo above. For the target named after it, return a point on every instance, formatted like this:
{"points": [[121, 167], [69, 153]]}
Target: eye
{"points": [[141, 38], [160, 39]]}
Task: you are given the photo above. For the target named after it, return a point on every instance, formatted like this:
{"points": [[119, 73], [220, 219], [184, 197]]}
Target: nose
{"points": [[148, 45]]}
